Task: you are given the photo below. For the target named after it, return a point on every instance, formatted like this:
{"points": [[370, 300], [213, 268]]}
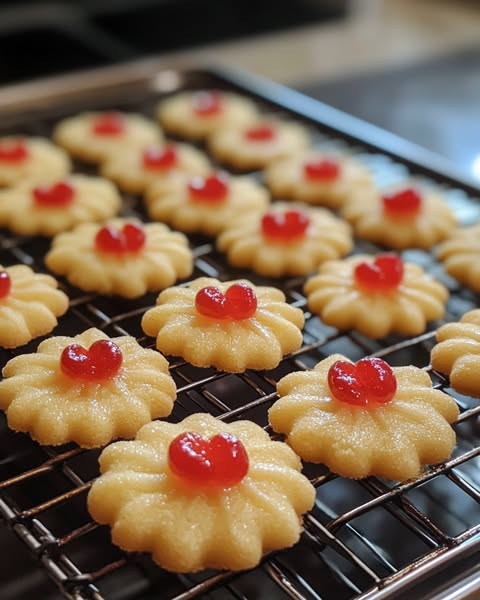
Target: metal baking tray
{"points": [[364, 540]]}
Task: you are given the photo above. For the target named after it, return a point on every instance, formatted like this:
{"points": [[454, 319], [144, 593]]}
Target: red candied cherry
{"points": [[5, 284], [405, 203], [260, 133], [13, 152], [221, 461], [384, 274], [322, 170], [370, 380], [100, 362], [108, 124], [207, 103], [161, 159], [285, 227], [57, 195], [212, 189], [131, 238], [239, 302]]}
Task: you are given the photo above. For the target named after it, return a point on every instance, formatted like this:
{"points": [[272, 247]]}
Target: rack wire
{"points": [[364, 540]]}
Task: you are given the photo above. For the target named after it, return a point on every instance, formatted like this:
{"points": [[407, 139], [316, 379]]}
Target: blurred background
{"points": [[410, 66]]}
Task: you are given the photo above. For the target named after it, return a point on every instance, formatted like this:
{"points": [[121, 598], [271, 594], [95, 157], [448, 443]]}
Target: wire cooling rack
{"points": [[367, 539]]}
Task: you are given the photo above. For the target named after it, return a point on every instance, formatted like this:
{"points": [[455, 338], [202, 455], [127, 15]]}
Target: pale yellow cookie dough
{"points": [[188, 529], [457, 353], [231, 147], [460, 255], [334, 295], [94, 199], [392, 440], [165, 258], [177, 116], [55, 408], [127, 169], [169, 201], [432, 225], [76, 135], [31, 307], [44, 162], [286, 179], [245, 245], [258, 342]]}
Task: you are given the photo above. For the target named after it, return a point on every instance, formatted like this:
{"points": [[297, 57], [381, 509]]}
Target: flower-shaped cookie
{"points": [[204, 204], [133, 169], [376, 295], [94, 136], [31, 159], [256, 145], [287, 239], [319, 178], [47, 209], [201, 494], [87, 389], [457, 353], [195, 115], [232, 326], [122, 257], [29, 305], [366, 418], [460, 255], [403, 217]]}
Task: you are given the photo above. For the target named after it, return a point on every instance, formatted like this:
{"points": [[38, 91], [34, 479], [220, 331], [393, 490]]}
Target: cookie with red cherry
{"points": [[31, 159], [29, 305], [122, 257], [197, 114], [201, 494], [133, 169], [285, 239], [318, 177], [365, 418], [404, 216], [49, 208], [376, 295], [232, 325], [204, 203], [94, 136], [256, 145], [88, 389]]}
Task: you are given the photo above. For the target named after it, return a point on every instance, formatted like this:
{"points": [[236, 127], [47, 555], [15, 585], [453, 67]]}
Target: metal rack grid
{"points": [[367, 539]]}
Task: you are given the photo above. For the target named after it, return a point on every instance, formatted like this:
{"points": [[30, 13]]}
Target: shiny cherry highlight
{"points": [[405, 203], [323, 170], [5, 284], [212, 189], [161, 159], [369, 381], [220, 461], [110, 240], [239, 302], [102, 361], [285, 227]]}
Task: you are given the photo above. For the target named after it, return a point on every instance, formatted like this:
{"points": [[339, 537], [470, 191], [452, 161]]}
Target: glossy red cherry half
{"points": [[405, 203], [100, 362], [108, 124], [5, 284], [260, 133], [370, 380], [161, 159], [322, 170], [221, 461], [131, 238], [285, 227], [57, 195], [212, 189], [207, 104], [13, 152], [384, 274], [239, 302]]}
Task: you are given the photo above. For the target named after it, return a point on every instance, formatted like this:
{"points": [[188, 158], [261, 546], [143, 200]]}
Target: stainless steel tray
{"points": [[367, 539]]}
